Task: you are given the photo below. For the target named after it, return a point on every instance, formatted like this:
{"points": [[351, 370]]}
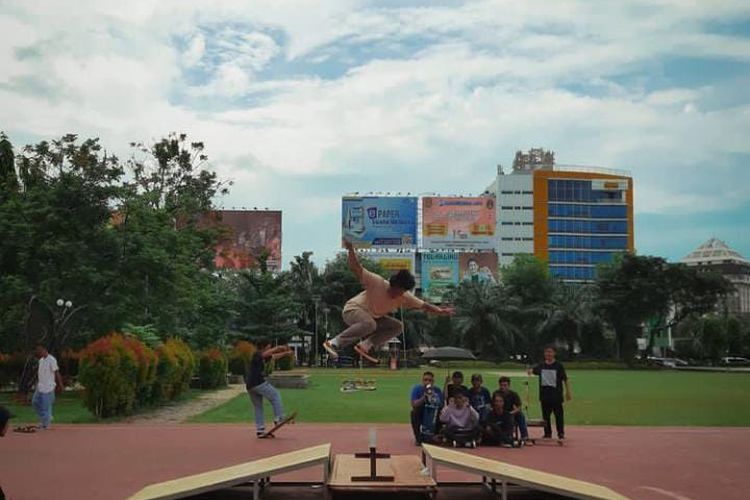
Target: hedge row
{"points": [[121, 374]]}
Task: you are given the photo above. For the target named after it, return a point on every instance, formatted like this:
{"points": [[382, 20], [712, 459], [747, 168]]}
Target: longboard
{"points": [[269, 432], [26, 429], [365, 355]]}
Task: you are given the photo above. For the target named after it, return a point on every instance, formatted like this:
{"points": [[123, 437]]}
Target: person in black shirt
{"points": [[513, 405], [479, 397], [551, 378], [498, 427], [258, 387], [454, 385]]}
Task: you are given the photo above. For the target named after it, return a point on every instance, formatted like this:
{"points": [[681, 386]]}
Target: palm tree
{"points": [[566, 314], [485, 316]]}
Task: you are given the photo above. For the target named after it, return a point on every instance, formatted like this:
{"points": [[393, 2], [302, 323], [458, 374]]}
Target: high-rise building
{"points": [[715, 255], [572, 217]]}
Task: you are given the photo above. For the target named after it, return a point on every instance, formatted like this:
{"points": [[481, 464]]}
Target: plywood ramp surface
{"points": [[519, 475], [406, 470], [236, 474]]}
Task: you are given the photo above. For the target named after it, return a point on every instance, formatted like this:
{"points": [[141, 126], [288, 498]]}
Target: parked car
{"points": [[735, 361], [666, 362]]}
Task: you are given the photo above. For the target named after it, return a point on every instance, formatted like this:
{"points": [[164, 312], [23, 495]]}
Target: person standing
{"points": [[258, 387], [552, 376], [48, 383], [366, 314]]}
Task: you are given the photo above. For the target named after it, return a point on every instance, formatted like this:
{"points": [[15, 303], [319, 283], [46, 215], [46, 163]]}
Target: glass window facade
{"points": [[586, 227], [573, 272]]}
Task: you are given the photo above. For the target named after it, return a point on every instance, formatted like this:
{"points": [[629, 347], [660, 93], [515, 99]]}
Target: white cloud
{"points": [[443, 92]]}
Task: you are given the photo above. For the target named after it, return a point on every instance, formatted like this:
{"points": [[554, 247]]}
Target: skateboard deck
{"points": [[26, 429], [365, 355], [535, 441], [270, 432]]}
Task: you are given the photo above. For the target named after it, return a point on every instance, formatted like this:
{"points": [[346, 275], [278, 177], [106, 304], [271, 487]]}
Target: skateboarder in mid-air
{"points": [[367, 314], [258, 387]]}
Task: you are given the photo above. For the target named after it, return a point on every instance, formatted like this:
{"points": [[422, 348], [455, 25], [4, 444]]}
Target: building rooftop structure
{"points": [[712, 252]]}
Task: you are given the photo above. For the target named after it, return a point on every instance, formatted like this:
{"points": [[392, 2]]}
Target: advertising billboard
{"points": [[247, 234], [439, 273], [379, 221], [477, 267], [393, 262], [458, 223]]}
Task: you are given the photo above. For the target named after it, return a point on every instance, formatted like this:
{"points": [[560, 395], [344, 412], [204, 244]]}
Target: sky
{"points": [[301, 102]]}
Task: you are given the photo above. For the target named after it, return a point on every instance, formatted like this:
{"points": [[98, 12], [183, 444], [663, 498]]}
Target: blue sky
{"points": [[301, 102]]}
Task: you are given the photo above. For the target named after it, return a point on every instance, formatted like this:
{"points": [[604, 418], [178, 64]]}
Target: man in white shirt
{"points": [[367, 313], [48, 382]]}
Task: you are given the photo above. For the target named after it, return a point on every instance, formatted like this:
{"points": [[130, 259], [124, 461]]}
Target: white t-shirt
{"points": [[375, 300], [46, 380]]}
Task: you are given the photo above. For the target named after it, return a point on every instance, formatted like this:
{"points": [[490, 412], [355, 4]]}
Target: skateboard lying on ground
{"points": [[269, 432], [535, 441], [26, 429], [358, 385]]}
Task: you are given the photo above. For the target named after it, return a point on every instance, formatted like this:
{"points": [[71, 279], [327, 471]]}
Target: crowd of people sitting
{"points": [[464, 416]]}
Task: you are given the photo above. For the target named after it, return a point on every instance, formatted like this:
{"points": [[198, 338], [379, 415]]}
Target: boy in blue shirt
{"points": [[479, 397], [426, 402]]}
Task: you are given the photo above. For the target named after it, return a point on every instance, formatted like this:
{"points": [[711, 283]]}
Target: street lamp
{"points": [[316, 299]]}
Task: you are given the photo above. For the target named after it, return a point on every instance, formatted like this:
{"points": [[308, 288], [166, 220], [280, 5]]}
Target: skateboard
{"points": [[535, 441], [26, 429], [270, 432], [365, 355]]}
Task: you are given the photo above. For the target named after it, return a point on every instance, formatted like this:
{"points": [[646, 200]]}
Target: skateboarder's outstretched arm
{"points": [[353, 261], [277, 352]]}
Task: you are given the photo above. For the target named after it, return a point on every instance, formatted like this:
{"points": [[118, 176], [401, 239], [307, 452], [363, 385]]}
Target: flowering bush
{"points": [[110, 371], [174, 370], [212, 369], [240, 357]]}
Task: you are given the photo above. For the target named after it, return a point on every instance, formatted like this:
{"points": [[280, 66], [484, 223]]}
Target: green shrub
{"points": [[240, 357], [109, 370], [174, 370], [212, 369], [285, 363], [11, 367]]}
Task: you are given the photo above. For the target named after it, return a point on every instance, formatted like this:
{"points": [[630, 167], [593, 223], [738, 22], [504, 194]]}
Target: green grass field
{"points": [[600, 397], [68, 408]]}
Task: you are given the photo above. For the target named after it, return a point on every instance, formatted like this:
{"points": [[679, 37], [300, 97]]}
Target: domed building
{"points": [[717, 256]]}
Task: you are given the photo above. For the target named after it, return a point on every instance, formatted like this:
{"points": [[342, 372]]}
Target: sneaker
{"points": [[328, 346], [260, 434], [546, 436], [506, 445]]}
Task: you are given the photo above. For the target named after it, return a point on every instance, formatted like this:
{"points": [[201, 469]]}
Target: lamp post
{"points": [[316, 299]]}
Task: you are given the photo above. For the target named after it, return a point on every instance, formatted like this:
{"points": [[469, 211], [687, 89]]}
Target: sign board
{"points": [[439, 274], [247, 234], [477, 267], [379, 221], [458, 223], [393, 262]]}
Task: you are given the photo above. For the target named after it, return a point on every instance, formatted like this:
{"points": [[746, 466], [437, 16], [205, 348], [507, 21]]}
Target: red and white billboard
{"points": [[249, 233]]}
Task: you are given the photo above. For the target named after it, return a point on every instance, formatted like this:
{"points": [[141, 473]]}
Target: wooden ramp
{"points": [[493, 471], [258, 472]]}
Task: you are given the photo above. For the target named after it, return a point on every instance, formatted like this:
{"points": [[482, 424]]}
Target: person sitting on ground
{"points": [[367, 313], [461, 421], [479, 397], [513, 405], [258, 387], [498, 427], [454, 385], [426, 402], [552, 375]]}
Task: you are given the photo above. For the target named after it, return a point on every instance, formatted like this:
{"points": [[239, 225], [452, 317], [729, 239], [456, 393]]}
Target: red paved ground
{"points": [[114, 461]]}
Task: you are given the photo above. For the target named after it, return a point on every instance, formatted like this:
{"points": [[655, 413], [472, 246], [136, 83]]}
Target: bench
{"points": [[494, 471], [258, 472]]}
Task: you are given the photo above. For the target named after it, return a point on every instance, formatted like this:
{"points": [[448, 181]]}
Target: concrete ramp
{"points": [[258, 472], [494, 472]]}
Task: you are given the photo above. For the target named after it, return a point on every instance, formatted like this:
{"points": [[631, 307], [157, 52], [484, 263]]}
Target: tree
{"points": [[483, 319], [8, 179], [265, 307], [305, 282], [567, 314]]}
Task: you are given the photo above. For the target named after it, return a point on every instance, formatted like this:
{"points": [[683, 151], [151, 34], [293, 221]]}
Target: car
{"points": [[735, 361], [666, 362]]}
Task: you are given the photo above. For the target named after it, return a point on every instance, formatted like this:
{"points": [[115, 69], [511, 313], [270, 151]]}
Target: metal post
{"points": [[504, 490], [403, 335], [256, 489]]}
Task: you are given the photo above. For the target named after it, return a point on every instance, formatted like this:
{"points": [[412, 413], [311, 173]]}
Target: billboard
{"points": [[458, 223], [477, 267], [439, 273], [393, 262], [247, 234], [379, 221]]}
